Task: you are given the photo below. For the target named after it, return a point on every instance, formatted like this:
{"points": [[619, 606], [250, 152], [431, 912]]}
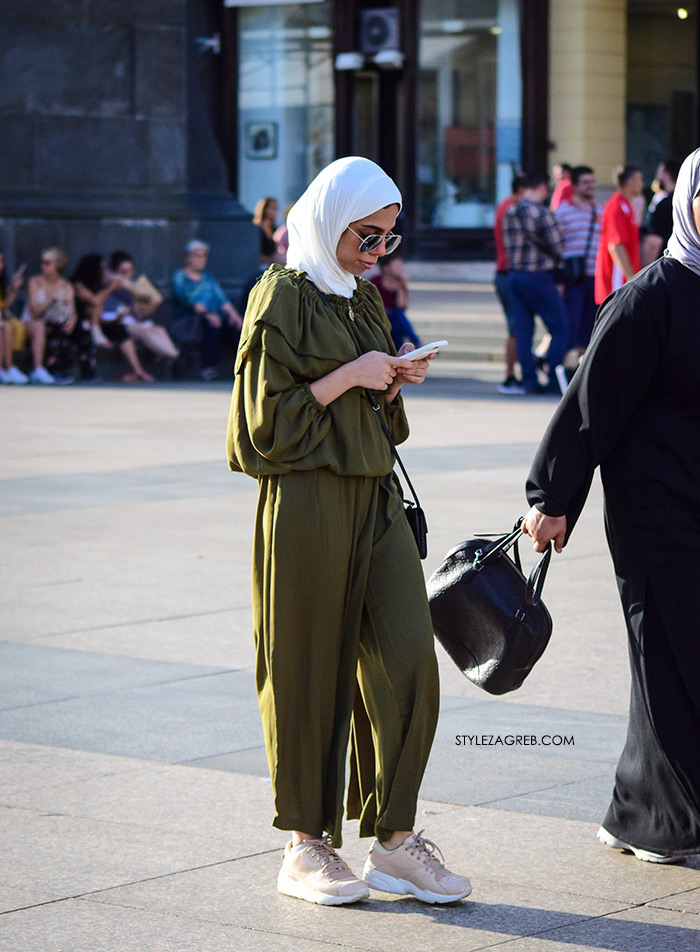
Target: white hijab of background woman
{"points": [[347, 190], [684, 243]]}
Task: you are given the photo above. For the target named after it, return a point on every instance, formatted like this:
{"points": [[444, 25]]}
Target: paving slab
{"points": [[235, 809], [79, 926], [75, 570], [638, 930], [29, 767], [688, 901], [170, 721], [12, 900], [31, 676], [220, 639]]}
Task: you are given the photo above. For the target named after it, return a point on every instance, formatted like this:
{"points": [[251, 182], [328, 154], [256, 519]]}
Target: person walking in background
{"points": [[632, 409], [392, 284], [342, 627], [533, 245], [618, 253], [511, 384], [580, 221], [202, 314], [659, 225]]}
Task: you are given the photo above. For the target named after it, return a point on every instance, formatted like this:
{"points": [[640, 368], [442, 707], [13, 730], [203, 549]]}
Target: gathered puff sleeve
{"points": [[292, 337], [597, 422]]}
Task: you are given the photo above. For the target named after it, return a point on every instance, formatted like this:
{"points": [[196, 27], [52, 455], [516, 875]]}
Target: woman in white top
{"points": [[50, 300]]}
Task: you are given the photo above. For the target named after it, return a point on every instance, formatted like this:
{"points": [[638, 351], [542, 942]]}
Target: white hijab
{"points": [[684, 243], [347, 190]]}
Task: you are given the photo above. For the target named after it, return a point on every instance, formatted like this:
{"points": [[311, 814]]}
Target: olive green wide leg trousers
{"points": [[339, 604]]}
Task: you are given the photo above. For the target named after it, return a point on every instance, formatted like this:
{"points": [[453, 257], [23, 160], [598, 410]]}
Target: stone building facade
{"points": [[107, 141]]}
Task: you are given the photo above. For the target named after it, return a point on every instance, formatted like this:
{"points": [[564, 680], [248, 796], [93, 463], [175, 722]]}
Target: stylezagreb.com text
{"points": [[513, 740]]}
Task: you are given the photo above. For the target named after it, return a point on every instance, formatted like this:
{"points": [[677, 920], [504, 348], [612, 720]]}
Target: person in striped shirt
{"points": [[580, 222]]}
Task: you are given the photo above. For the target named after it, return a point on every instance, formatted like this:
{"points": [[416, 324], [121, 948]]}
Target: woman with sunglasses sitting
{"points": [[342, 627]]}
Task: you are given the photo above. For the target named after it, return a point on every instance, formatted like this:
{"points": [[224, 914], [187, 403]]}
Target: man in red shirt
{"points": [[511, 383], [618, 252]]}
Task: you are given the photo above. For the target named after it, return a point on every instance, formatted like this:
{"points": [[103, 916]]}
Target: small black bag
{"points": [[487, 616], [571, 271], [419, 526], [414, 513]]}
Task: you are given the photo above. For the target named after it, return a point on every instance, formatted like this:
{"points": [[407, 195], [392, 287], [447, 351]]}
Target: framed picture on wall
{"points": [[261, 140]]}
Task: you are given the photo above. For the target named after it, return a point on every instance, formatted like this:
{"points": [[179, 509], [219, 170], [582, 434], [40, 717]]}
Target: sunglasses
{"points": [[47, 260], [372, 242]]}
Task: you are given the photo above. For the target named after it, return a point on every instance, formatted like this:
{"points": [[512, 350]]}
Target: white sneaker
{"points": [[41, 375], [414, 869], [15, 376], [646, 856], [313, 871], [98, 337]]}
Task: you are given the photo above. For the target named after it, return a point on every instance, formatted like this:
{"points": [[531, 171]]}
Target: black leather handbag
{"points": [[487, 616]]}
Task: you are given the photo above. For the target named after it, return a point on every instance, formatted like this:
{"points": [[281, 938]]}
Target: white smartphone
{"points": [[423, 351]]}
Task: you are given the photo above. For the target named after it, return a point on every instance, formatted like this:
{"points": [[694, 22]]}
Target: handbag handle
{"points": [[535, 581]]}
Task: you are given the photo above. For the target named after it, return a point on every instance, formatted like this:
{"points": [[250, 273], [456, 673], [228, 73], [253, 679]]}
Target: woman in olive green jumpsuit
{"points": [[343, 633]]}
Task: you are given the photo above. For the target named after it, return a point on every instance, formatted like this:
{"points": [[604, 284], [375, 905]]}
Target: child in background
{"points": [[392, 283]]}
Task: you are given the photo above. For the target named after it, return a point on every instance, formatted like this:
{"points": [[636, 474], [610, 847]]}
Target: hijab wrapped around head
{"points": [[684, 243], [345, 191]]}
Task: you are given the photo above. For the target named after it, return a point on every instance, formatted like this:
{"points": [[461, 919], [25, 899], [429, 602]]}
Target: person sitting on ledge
{"points": [[202, 314]]}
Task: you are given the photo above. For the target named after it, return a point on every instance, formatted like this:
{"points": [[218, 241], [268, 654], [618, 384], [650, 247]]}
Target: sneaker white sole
{"points": [[402, 887], [644, 855], [299, 890]]}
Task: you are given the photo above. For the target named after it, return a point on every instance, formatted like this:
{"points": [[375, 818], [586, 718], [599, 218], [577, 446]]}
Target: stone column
{"points": [[588, 64]]}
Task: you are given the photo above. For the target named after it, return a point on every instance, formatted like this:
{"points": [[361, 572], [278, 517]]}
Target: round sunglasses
{"points": [[372, 242]]}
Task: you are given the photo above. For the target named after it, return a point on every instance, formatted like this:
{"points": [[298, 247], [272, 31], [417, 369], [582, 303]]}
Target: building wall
{"points": [[100, 104], [588, 83]]}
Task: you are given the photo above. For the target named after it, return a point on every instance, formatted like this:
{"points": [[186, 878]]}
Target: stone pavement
{"points": [[134, 799]]}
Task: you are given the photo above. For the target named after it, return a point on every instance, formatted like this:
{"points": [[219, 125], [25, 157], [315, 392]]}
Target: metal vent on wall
{"points": [[379, 30]]}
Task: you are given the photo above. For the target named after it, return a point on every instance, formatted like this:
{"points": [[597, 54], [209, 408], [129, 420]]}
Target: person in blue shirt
{"points": [[202, 314]]}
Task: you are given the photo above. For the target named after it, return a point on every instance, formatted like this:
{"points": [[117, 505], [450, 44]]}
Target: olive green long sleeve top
{"points": [[292, 336]]}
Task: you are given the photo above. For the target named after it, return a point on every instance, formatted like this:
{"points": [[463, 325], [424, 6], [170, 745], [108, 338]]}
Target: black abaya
{"points": [[633, 408]]}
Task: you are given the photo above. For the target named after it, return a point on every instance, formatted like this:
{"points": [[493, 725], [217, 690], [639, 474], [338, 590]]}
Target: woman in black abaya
{"points": [[633, 408]]}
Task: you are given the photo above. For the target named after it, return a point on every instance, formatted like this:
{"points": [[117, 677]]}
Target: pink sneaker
{"points": [[413, 868], [313, 871]]}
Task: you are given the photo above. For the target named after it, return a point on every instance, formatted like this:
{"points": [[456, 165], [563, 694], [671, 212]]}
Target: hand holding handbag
{"points": [[487, 616]]}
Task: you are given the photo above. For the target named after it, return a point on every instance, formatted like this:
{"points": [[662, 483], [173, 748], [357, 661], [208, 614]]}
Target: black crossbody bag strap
{"points": [[414, 512], [594, 215], [377, 409]]}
